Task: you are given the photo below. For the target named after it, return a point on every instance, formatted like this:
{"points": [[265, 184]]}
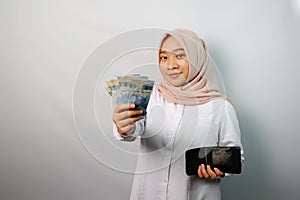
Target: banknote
{"points": [[134, 89]]}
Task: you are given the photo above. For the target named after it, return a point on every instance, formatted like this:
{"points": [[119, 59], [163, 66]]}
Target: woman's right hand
{"points": [[125, 116]]}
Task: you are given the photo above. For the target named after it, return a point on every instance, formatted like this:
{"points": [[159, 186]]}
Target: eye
{"points": [[163, 58], [181, 56]]}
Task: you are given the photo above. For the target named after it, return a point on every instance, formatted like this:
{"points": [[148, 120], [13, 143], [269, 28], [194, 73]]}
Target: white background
{"points": [[44, 44]]}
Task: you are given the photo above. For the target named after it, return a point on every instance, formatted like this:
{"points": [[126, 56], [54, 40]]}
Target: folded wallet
{"points": [[226, 159]]}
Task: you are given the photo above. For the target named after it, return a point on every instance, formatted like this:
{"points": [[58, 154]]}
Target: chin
{"points": [[175, 84]]}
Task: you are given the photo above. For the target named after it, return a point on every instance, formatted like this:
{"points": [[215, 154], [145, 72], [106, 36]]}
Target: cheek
{"points": [[183, 63], [185, 68], [162, 69]]}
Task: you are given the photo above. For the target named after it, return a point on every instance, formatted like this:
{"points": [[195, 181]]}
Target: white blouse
{"points": [[167, 132]]}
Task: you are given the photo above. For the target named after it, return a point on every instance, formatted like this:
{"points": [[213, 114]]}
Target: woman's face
{"points": [[173, 63]]}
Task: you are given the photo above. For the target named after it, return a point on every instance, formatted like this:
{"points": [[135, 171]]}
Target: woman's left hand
{"points": [[208, 173]]}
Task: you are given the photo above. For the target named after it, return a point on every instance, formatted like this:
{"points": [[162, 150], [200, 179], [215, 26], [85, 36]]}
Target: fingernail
{"points": [[132, 105]]}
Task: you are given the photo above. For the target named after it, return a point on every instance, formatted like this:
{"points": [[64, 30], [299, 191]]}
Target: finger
{"points": [[117, 113], [211, 173], [117, 117], [200, 172], [129, 114], [123, 107], [135, 119], [218, 172], [204, 172], [127, 129], [128, 121], [135, 113]]}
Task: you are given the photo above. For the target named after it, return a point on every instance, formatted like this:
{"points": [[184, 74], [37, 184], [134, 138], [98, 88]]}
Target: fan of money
{"points": [[134, 89]]}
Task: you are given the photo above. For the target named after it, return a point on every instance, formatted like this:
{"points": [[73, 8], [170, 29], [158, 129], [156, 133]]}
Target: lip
{"points": [[174, 75]]}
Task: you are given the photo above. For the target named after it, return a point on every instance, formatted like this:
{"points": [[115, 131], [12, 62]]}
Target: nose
{"points": [[172, 63]]}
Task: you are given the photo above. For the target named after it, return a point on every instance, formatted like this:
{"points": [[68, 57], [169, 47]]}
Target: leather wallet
{"points": [[226, 159]]}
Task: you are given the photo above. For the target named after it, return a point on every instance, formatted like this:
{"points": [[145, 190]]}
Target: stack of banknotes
{"points": [[134, 89]]}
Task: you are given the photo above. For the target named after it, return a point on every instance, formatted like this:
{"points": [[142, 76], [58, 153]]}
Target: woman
{"points": [[185, 111]]}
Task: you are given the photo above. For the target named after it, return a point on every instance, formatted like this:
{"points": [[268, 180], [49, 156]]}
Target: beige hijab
{"points": [[202, 85]]}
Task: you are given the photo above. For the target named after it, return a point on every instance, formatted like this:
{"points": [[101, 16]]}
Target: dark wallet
{"points": [[226, 159]]}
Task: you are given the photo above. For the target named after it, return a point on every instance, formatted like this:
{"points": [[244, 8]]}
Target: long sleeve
{"points": [[139, 130], [230, 134]]}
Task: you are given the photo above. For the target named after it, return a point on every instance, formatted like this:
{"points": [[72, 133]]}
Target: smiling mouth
{"points": [[174, 75]]}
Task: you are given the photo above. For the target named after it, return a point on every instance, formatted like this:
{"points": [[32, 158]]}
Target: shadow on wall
{"points": [[253, 182]]}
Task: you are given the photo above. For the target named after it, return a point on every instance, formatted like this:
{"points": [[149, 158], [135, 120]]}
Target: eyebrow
{"points": [[174, 50]]}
